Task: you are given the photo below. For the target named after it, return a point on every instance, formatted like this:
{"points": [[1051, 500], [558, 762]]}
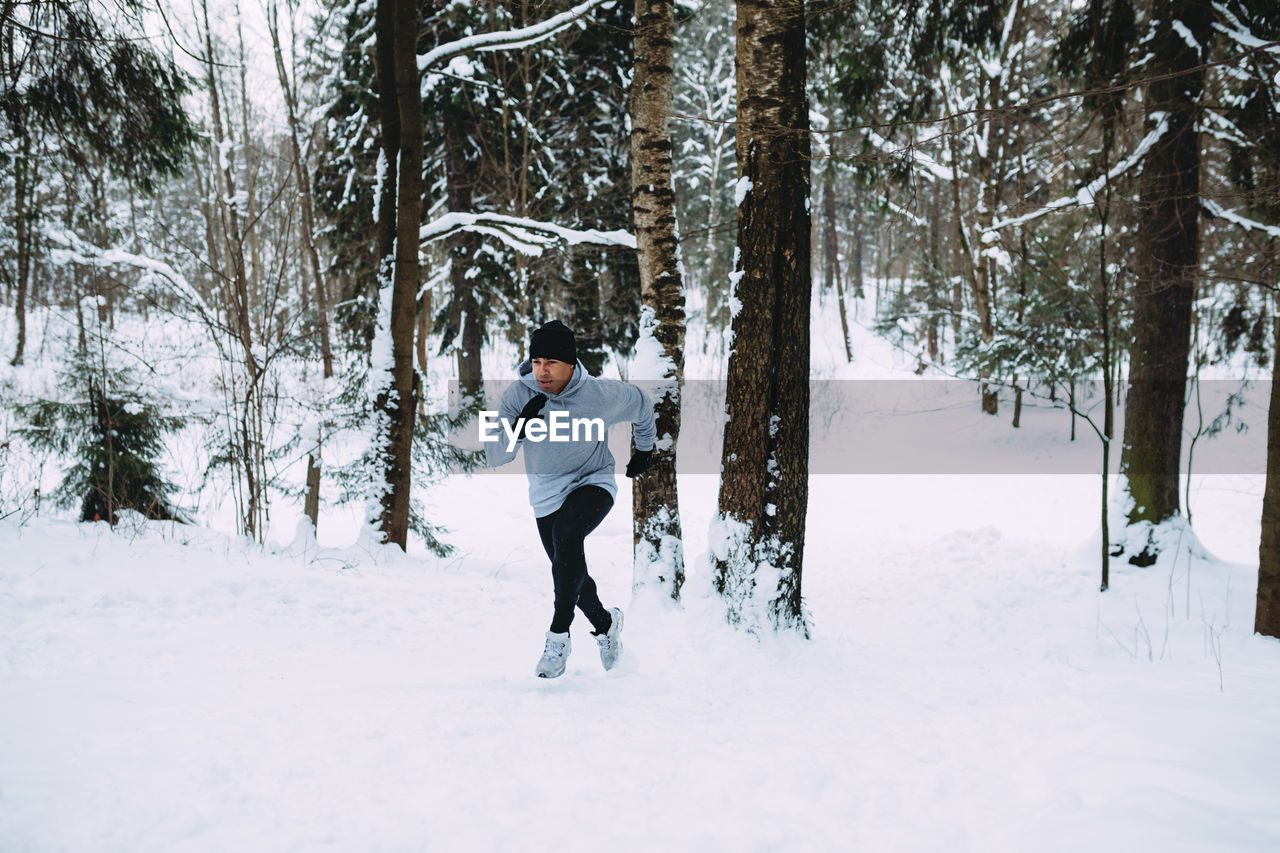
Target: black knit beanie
{"points": [[554, 340]]}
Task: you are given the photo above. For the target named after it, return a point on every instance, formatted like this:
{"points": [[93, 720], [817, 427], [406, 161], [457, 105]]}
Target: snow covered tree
{"points": [[78, 88], [392, 381], [585, 157], [289, 88], [346, 175], [1168, 266], [659, 553], [757, 535], [115, 433], [1250, 39], [401, 234], [468, 110], [703, 163], [930, 91]]}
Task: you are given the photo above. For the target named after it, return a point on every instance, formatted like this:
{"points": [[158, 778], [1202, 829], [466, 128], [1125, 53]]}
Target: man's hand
{"points": [[639, 463], [529, 412]]}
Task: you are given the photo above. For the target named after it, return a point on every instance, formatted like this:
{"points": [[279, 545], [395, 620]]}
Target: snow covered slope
{"points": [[966, 689]]}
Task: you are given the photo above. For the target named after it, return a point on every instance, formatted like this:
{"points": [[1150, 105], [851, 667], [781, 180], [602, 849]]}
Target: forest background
{"points": [[1074, 202]]}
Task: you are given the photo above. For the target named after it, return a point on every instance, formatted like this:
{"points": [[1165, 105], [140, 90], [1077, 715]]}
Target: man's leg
{"points": [[563, 533]]}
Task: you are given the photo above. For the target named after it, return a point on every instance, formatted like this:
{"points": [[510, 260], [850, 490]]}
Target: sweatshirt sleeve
{"points": [[634, 405], [495, 451]]}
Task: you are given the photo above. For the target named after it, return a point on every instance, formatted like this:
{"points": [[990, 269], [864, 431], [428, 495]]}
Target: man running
{"points": [[571, 479]]}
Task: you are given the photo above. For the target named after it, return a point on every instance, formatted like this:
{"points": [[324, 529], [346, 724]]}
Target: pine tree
{"points": [[347, 175], [76, 89], [115, 433], [703, 162]]}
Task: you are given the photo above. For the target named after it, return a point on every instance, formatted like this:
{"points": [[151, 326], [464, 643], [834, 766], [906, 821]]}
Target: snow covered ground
{"points": [[966, 688]]}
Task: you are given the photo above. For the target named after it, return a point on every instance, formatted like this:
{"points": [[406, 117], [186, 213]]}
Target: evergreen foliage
{"points": [[98, 90], [703, 164], [115, 435], [434, 456], [346, 171]]}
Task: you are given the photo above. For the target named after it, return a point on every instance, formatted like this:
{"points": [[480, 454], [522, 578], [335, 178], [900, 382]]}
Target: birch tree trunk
{"points": [[658, 538], [757, 537]]}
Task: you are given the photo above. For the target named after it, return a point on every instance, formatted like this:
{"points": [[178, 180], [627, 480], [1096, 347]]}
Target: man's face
{"points": [[552, 375]]}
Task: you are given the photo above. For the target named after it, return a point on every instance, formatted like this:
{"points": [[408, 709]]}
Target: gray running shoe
{"points": [[611, 643], [554, 656]]}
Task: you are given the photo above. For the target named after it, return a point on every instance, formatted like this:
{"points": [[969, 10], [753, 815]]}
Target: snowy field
{"points": [[967, 687]]}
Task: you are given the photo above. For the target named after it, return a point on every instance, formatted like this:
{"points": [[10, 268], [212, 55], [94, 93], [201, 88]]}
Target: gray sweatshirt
{"points": [[556, 468]]}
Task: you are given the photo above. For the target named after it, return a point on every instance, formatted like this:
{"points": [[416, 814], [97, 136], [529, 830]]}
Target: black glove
{"points": [[530, 412], [640, 461]]}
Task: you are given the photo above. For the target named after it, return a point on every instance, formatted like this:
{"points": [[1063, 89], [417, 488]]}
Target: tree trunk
{"points": [[758, 535], [832, 266], [23, 172], [302, 175], [1266, 618], [462, 248], [658, 539], [1168, 246], [935, 274], [859, 288], [247, 444], [420, 343], [585, 309], [400, 216], [311, 503], [1105, 310]]}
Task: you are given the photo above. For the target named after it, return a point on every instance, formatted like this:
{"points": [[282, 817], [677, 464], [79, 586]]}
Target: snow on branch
{"points": [[904, 213], [1085, 195], [1240, 34], [527, 236], [504, 39], [74, 250], [931, 166], [1216, 210]]}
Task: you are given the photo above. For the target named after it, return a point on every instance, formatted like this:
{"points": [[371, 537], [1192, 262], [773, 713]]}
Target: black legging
{"points": [[563, 532]]}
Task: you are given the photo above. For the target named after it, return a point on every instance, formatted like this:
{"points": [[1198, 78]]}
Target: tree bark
{"points": [[23, 183], [758, 535], [831, 251], [400, 211], [420, 343], [1168, 264], [658, 538], [311, 503], [859, 279], [586, 310], [1266, 618]]}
